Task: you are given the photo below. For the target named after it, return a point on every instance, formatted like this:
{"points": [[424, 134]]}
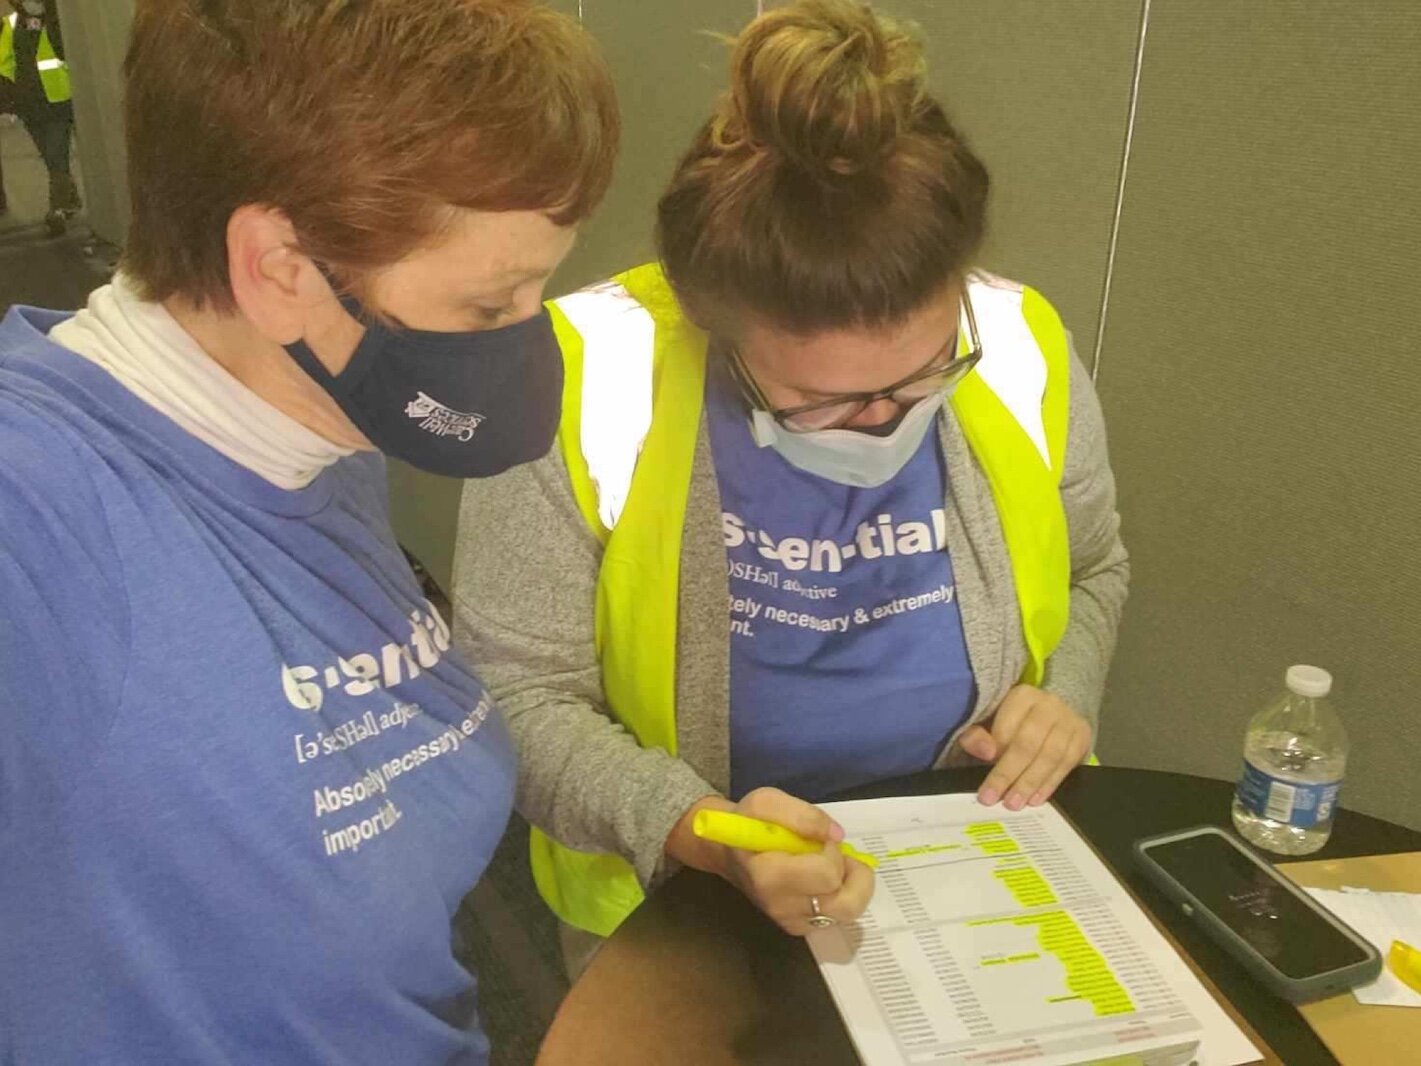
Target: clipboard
{"points": [[1361, 1035]]}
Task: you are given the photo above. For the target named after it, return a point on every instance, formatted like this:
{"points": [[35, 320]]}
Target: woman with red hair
{"points": [[244, 779]]}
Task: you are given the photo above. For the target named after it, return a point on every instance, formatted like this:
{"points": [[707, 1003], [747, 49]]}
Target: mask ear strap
{"points": [[353, 307], [747, 386], [764, 430], [306, 359], [301, 352]]}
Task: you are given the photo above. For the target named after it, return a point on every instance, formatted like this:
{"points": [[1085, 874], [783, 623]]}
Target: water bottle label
{"points": [[1299, 804]]}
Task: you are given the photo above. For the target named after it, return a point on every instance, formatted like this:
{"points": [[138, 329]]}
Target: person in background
{"points": [[7, 111], [7, 117], [244, 779], [830, 504], [32, 61]]}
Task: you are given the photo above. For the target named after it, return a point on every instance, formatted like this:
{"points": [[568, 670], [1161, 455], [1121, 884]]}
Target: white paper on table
{"points": [[999, 937], [1379, 917]]}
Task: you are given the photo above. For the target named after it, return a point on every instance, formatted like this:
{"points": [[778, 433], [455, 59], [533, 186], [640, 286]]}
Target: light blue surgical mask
{"points": [[846, 456]]}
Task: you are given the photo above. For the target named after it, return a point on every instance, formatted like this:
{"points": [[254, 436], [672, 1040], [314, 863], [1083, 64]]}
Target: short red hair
{"points": [[364, 121]]}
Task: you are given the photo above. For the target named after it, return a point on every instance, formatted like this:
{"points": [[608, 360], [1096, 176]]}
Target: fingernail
{"points": [[836, 832], [988, 796], [1015, 801], [1038, 799]]}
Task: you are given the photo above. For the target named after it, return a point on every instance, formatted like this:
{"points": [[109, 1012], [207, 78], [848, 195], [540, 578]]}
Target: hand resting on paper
{"points": [[1035, 739]]}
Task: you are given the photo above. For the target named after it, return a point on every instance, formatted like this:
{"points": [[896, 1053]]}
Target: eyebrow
{"points": [[508, 280], [501, 287], [951, 343], [485, 299]]}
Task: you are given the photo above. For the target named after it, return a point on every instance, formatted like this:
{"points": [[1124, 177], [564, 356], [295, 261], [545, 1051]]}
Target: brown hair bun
{"points": [[828, 188], [825, 85]]}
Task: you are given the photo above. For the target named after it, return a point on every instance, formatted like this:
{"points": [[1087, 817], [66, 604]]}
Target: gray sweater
{"points": [[525, 580]]}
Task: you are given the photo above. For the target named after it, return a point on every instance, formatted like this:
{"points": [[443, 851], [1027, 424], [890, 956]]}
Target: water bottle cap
{"points": [[1311, 681]]}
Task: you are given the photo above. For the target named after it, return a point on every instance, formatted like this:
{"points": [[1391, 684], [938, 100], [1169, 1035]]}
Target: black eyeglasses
{"points": [[839, 411]]}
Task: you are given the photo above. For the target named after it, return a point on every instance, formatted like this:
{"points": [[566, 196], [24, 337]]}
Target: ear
{"points": [[276, 286]]}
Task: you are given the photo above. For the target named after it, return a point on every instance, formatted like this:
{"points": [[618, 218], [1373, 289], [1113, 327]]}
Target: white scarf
{"points": [[143, 346]]}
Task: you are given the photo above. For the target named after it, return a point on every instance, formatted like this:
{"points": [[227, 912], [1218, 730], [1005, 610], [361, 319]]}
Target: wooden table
{"points": [[698, 977]]}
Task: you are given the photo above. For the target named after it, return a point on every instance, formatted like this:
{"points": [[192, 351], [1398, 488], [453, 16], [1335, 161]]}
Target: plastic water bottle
{"points": [[1294, 758]]}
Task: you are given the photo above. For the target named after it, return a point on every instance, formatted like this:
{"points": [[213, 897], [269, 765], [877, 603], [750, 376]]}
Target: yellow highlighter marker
{"points": [[751, 834], [1405, 961]]}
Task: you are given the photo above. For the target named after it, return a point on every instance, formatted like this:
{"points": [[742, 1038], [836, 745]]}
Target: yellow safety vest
{"points": [[53, 71], [632, 398]]}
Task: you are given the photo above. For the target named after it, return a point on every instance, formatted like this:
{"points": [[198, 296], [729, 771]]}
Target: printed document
{"points": [[999, 937]]}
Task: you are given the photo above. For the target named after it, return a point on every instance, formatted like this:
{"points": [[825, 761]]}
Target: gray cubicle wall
{"points": [[1262, 384], [1256, 360], [1043, 91], [668, 67], [96, 38]]}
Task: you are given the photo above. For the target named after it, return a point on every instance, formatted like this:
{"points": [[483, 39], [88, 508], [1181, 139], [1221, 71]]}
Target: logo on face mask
{"points": [[442, 421]]}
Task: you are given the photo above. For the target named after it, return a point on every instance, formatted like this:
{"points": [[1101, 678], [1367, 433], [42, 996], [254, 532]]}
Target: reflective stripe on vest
{"points": [[7, 48], [638, 584], [53, 71], [630, 474], [1012, 363], [1014, 417], [618, 343]]}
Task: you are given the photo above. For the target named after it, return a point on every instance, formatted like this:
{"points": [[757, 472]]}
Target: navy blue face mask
{"points": [[466, 404]]}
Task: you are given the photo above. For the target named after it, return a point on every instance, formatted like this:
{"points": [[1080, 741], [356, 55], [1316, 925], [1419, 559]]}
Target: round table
{"points": [[698, 977]]}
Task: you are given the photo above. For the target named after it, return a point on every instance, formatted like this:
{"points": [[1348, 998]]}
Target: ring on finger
{"points": [[818, 919]]}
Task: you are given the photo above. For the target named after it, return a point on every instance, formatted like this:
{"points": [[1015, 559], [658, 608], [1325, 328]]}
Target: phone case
{"points": [[1295, 990]]}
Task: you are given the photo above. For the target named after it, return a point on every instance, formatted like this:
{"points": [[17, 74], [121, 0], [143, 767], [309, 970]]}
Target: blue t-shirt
{"points": [[847, 658], [244, 779]]}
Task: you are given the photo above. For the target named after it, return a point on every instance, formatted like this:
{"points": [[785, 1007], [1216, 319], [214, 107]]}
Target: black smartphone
{"points": [[1287, 940]]}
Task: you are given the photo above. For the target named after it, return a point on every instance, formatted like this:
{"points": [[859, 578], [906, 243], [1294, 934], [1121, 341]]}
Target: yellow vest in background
{"points": [[629, 351], [53, 71]]}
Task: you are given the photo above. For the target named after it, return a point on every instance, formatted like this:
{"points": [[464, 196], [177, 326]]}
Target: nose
{"points": [[527, 301], [877, 413], [526, 305]]}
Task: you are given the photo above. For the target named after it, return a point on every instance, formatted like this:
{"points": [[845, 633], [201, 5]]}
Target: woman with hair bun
{"points": [[829, 505]]}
